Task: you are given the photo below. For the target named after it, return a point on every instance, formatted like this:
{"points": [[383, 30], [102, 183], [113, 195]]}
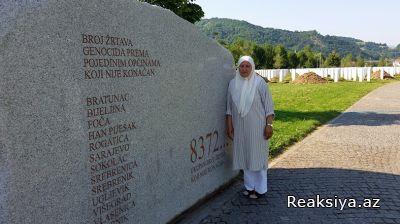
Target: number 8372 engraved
{"points": [[204, 146]]}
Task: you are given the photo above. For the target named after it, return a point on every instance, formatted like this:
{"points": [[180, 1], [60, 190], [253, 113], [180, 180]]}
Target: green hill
{"points": [[228, 30]]}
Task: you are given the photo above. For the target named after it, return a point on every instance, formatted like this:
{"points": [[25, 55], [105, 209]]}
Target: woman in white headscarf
{"points": [[249, 118]]}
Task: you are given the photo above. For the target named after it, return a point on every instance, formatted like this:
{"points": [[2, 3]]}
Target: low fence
{"points": [[347, 73]]}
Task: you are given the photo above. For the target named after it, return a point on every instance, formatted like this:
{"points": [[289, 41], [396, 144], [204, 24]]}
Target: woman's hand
{"points": [[229, 131], [229, 126], [268, 132]]}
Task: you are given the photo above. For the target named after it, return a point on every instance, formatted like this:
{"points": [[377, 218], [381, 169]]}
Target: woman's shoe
{"points": [[247, 192], [255, 195]]}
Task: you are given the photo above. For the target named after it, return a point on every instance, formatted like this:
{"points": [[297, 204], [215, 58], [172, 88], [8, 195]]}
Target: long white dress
{"points": [[250, 149]]}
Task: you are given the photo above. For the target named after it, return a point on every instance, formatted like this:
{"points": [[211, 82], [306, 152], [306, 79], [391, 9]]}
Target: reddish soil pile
{"points": [[377, 75], [309, 78]]}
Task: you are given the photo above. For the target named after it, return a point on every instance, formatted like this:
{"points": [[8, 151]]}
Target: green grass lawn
{"points": [[299, 109]]}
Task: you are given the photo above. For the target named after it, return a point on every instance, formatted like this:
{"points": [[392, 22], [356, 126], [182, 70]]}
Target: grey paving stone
{"points": [[355, 156]]}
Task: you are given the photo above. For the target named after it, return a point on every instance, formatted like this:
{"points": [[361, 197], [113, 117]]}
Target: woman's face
{"points": [[245, 69]]}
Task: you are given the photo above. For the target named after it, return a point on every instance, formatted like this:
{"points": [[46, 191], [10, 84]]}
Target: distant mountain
{"points": [[228, 30]]}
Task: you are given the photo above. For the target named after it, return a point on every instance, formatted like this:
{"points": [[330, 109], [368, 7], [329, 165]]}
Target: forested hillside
{"points": [[228, 30]]}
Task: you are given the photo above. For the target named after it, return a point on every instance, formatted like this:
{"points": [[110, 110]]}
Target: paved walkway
{"points": [[355, 156]]}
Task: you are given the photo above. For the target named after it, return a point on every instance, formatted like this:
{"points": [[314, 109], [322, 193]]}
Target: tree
{"points": [[236, 53], [183, 8], [311, 58], [347, 61], [281, 59], [319, 59], [301, 55], [333, 60], [360, 62], [292, 60], [307, 58], [215, 35], [269, 56], [240, 48], [258, 55], [382, 62]]}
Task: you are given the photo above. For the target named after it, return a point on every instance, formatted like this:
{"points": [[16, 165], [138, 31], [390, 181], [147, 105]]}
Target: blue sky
{"points": [[368, 20]]}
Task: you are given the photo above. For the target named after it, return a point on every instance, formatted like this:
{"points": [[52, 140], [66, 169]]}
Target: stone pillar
{"points": [[281, 71], [293, 74], [369, 71], [336, 74]]}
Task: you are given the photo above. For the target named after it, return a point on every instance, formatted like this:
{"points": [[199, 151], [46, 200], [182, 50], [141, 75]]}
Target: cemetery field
{"points": [[299, 109]]}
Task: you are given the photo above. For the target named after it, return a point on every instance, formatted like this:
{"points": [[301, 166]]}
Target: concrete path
{"points": [[352, 164]]}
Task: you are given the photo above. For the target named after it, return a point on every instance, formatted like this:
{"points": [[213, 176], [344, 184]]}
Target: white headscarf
{"points": [[245, 88]]}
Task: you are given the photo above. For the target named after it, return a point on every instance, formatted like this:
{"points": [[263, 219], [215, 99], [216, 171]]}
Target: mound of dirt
{"points": [[377, 75], [309, 78]]}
